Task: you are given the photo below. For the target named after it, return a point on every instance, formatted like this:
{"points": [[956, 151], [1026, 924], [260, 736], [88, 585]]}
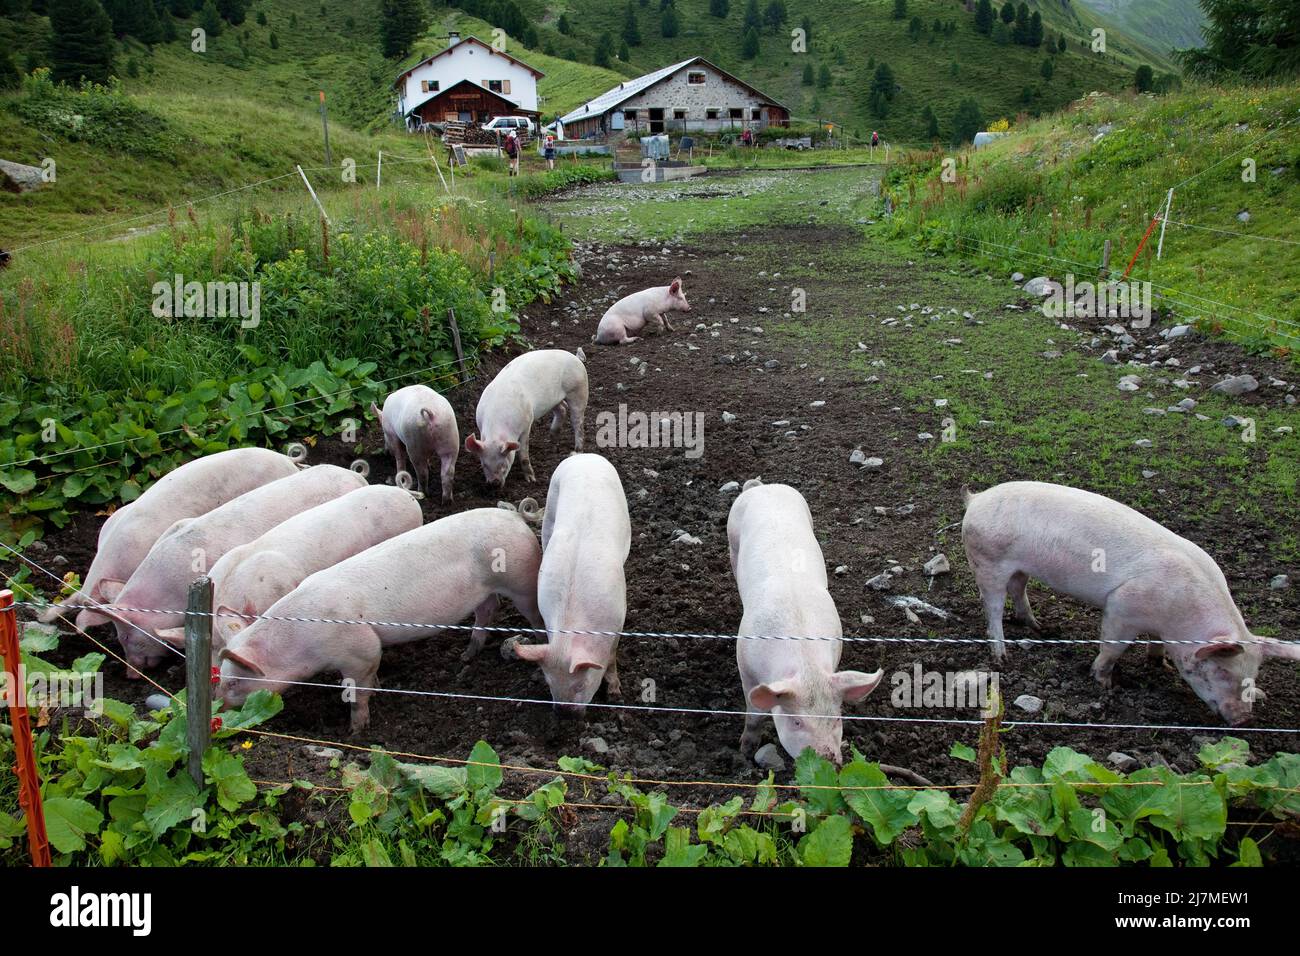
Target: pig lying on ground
{"points": [[629, 315], [1145, 578], [192, 545], [781, 576], [437, 574], [549, 380], [418, 423], [193, 489], [250, 578], [586, 536]]}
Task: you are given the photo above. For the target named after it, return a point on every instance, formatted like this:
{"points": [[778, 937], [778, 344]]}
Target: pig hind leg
{"points": [[483, 616], [993, 583], [577, 404], [448, 475], [558, 415], [613, 689], [362, 668], [1017, 588]]}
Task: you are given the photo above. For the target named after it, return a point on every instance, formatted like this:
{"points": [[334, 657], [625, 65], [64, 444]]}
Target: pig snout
{"points": [[571, 712]]}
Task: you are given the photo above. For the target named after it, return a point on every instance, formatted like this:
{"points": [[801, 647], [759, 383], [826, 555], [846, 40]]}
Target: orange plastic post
{"points": [[29, 781]]}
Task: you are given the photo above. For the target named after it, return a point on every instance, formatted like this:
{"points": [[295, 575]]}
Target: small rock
{"points": [[728, 418], [1017, 277], [157, 702], [1243, 216], [769, 758], [1280, 582], [596, 745], [322, 753], [937, 565], [873, 464], [1122, 762], [1130, 383], [729, 488], [857, 457], [1029, 703], [1039, 286], [881, 581], [1236, 385]]}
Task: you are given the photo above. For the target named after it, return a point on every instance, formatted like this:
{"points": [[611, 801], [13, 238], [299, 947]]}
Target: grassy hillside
{"points": [[851, 37], [1046, 198], [1175, 23]]}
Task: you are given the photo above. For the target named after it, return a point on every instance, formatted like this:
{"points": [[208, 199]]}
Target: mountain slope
{"points": [[1176, 24]]}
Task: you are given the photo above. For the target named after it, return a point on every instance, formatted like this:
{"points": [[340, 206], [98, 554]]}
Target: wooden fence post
{"points": [[29, 782], [198, 674], [455, 338]]}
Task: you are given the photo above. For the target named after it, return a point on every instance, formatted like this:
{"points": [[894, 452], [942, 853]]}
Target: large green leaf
{"points": [[831, 844], [226, 772], [886, 811], [483, 774], [69, 821], [174, 800]]}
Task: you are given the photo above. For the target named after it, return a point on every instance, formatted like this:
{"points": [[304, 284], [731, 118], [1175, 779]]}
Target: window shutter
{"points": [[485, 83], [505, 86], [424, 86]]}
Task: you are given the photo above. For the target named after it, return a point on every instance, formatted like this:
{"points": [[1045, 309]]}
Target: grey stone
{"points": [[1236, 385], [322, 753], [1029, 703], [157, 702], [596, 745], [1280, 582], [769, 757], [1122, 762], [729, 488], [937, 565]]}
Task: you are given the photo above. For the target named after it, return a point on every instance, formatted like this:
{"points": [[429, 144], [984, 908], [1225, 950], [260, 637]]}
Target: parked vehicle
{"points": [[503, 124]]}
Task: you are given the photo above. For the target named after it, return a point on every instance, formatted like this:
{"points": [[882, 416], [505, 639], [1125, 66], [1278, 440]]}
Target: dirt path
{"points": [[770, 371]]}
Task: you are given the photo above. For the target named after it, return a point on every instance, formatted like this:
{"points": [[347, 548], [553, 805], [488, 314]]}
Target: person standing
{"points": [[512, 152], [548, 150]]}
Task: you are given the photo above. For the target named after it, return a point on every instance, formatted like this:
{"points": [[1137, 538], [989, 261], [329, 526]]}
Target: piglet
{"points": [[1145, 578], [190, 490], [586, 536], [436, 575], [548, 380], [781, 576], [629, 315], [418, 423], [250, 578], [193, 545]]}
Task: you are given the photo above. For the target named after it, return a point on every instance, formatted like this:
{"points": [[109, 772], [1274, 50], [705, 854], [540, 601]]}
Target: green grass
{"points": [[1045, 199]]}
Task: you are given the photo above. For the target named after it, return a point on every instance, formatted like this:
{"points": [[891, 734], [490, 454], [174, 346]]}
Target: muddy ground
{"points": [[762, 378]]}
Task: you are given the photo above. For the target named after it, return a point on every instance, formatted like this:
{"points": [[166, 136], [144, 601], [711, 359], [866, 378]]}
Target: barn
{"points": [[469, 82], [691, 96]]}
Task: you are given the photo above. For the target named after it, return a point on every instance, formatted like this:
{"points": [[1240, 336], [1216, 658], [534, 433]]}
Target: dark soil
{"points": [[682, 587]]}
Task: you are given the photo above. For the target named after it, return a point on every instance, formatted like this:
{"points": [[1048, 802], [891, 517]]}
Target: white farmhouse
{"points": [[467, 81]]}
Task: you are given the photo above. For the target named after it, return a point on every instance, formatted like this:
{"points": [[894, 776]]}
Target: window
{"points": [[737, 113], [679, 114], [756, 113], [711, 114], [695, 77], [428, 86], [629, 115], [496, 86]]}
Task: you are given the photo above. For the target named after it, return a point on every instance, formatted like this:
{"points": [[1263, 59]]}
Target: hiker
{"points": [[875, 138], [747, 137], [512, 151], [548, 151]]}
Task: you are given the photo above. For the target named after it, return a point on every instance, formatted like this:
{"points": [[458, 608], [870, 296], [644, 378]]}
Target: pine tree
{"points": [[915, 29], [1008, 12], [261, 18], [82, 41], [808, 78], [1035, 38], [984, 17], [750, 46], [403, 22], [931, 123], [753, 19], [1047, 69], [631, 29], [1144, 79], [883, 81], [1020, 32], [824, 77], [604, 50], [966, 122], [624, 53], [776, 15], [1062, 44], [806, 25], [563, 25], [10, 78], [900, 9], [210, 19], [670, 23], [274, 41], [134, 18], [719, 8], [232, 11]]}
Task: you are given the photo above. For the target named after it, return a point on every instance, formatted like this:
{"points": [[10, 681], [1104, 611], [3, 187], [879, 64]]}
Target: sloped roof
{"points": [[469, 39], [624, 91], [474, 86]]}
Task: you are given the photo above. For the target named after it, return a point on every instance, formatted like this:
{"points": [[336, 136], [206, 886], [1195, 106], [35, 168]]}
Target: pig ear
{"points": [[676, 285], [767, 696], [378, 414], [1271, 647], [472, 443], [110, 588], [235, 657], [231, 625], [172, 635], [582, 666], [532, 652], [91, 618], [1220, 647], [855, 685], [510, 446]]}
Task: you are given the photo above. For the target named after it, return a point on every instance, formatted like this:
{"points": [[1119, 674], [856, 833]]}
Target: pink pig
{"points": [[188, 491], [418, 423], [1145, 578], [433, 576], [629, 315]]}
